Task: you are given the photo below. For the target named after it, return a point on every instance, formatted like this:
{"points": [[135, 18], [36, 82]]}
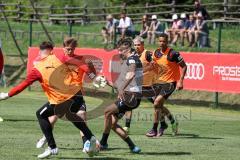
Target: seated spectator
{"points": [[191, 30], [145, 27], [125, 26], [109, 30], [200, 9], [201, 32], [185, 23], [155, 29], [174, 31]]}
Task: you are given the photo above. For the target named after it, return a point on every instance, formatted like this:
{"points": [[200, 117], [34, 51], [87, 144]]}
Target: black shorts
{"points": [[74, 104], [130, 102], [149, 93], [79, 103], [165, 89]]}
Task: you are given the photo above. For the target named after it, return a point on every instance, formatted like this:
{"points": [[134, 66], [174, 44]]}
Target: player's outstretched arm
{"points": [[33, 76]]}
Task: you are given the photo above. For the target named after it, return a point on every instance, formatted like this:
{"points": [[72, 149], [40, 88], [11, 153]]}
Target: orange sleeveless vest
{"points": [[167, 71], [59, 81], [149, 76]]}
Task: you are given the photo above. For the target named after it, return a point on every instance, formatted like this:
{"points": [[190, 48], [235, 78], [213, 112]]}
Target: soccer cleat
{"points": [[41, 142], [48, 152], [83, 150], [103, 147], [151, 133], [126, 129], [135, 149], [175, 128], [90, 146], [97, 147], [161, 130], [1, 119]]}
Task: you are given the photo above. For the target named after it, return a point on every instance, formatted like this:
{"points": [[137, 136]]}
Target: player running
{"points": [[62, 83], [129, 89], [168, 79]]}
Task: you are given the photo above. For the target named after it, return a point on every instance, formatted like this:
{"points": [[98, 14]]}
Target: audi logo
{"points": [[195, 71]]}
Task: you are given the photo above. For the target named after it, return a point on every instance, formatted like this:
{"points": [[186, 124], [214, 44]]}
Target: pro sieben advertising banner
{"points": [[212, 72], [207, 72]]}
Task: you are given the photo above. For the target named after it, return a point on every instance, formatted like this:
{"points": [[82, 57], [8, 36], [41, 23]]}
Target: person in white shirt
{"points": [[109, 30], [125, 26], [174, 31], [201, 32]]}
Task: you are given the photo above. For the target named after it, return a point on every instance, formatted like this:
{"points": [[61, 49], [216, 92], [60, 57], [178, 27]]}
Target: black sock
{"points": [[128, 121], [81, 125], [155, 125], [53, 146], [170, 117], [84, 139], [163, 124], [129, 142], [104, 138]]}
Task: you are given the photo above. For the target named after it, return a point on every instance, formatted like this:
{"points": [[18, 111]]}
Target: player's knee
{"points": [[157, 106], [107, 113], [38, 113]]}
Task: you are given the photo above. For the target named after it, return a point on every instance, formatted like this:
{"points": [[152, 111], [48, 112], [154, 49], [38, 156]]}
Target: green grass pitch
{"points": [[204, 134]]}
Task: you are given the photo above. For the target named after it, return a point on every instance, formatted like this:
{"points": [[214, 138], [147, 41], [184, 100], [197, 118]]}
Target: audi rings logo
{"points": [[195, 71]]}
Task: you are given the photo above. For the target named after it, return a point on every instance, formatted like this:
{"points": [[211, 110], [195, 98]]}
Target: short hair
{"points": [[164, 35], [70, 41], [126, 42], [46, 45], [124, 12], [138, 39]]}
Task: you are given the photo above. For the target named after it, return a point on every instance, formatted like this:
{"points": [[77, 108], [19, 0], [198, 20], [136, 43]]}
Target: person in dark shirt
{"points": [[200, 9]]}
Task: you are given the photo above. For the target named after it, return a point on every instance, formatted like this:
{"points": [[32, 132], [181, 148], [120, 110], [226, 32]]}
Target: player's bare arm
{"points": [[183, 66]]}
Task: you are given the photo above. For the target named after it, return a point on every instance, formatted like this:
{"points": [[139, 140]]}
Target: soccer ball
{"points": [[100, 81]]}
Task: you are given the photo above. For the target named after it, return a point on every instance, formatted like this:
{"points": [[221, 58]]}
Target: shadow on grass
{"points": [[166, 153], [65, 148], [109, 149], [195, 136], [20, 120], [186, 136], [96, 158]]}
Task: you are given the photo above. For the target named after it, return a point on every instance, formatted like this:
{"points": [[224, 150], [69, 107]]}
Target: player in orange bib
{"points": [[61, 80], [69, 46], [169, 78]]}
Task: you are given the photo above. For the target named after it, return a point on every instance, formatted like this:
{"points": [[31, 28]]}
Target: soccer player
{"points": [[62, 83], [149, 75], [69, 45], [128, 85], [168, 79]]}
